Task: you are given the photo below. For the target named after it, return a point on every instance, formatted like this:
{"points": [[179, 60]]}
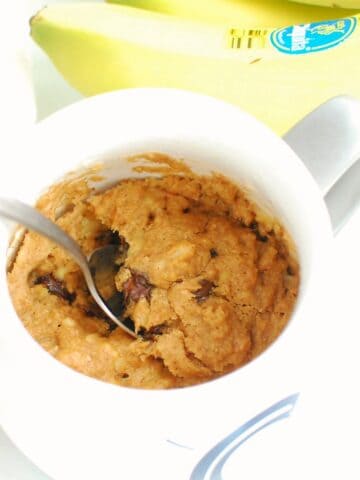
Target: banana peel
{"points": [[103, 47], [330, 3], [244, 13]]}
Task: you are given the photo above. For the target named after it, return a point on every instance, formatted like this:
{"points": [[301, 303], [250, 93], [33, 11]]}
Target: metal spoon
{"points": [[100, 258]]}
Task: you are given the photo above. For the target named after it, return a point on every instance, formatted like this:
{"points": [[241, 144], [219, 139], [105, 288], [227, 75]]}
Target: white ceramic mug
{"points": [[75, 427]]}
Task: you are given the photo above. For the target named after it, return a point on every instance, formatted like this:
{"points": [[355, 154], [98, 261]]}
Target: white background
{"points": [[323, 438]]}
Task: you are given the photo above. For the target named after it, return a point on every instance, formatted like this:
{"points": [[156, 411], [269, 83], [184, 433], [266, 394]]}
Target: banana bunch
{"points": [[278, 75]]}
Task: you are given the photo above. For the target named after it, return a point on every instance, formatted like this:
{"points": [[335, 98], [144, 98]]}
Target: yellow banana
{"points": [[330, 3], [278, 76], [249, 13]]}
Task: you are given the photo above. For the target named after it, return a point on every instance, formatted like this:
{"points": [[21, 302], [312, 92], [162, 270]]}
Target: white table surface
{"points": [[322, 441]]}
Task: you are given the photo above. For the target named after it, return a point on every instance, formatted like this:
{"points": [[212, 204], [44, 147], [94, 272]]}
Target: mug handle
{"points": [[328, 142]]}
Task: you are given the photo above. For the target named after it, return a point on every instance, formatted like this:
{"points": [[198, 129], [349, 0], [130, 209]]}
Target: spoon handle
{"points": [[32, 219]]}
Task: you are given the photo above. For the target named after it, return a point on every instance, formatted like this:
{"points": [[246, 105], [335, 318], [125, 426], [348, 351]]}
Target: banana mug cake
{"points": [[206, 278]]}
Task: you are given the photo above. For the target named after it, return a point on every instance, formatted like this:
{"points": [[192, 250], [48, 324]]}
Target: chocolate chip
{"points": [[137, 286], [151, 218], [124, 375], [290, 271], [213, 253], [186, 210], [93, 311], [55, 287], [204, 292], [254, 226], [262, 238], [152, 332]]}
